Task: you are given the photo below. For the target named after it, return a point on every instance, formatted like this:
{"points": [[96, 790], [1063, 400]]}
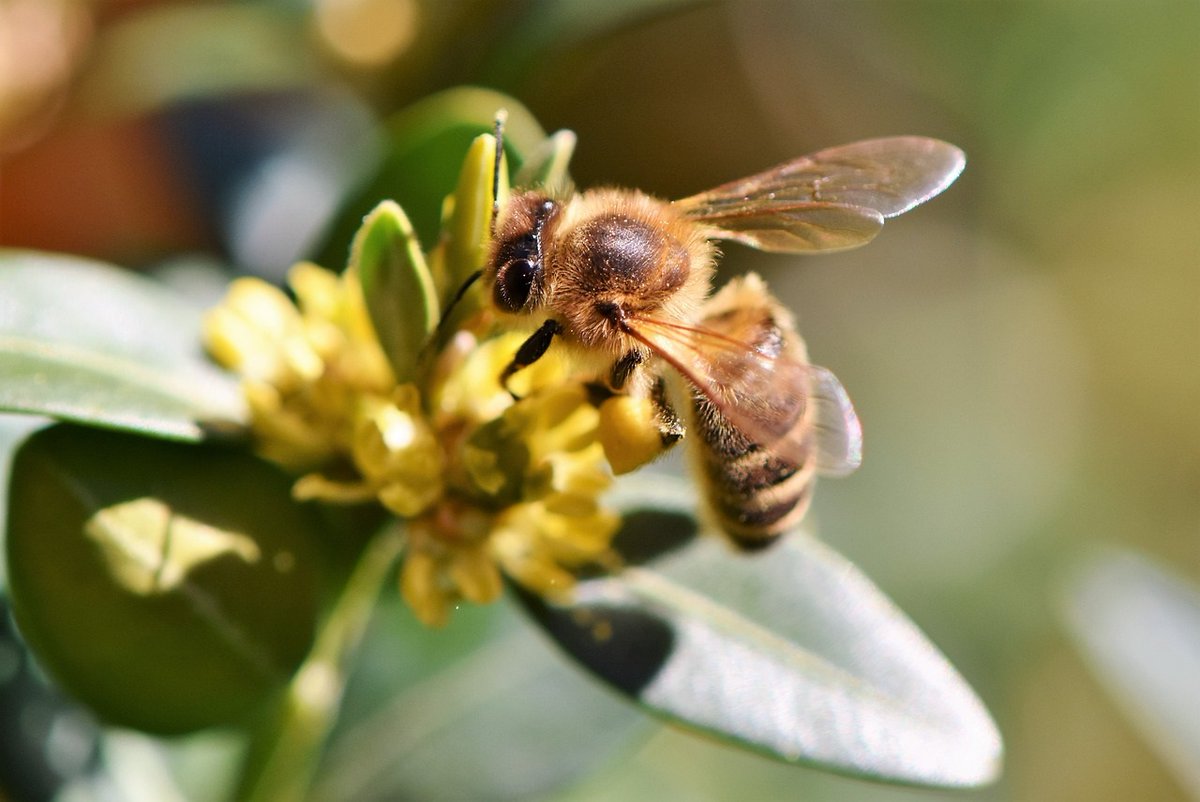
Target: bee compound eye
{"points": [[516, 285]]}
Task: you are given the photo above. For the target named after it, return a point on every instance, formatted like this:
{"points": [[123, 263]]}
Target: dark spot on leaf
{"points": [[646, 535], [634, 647]]}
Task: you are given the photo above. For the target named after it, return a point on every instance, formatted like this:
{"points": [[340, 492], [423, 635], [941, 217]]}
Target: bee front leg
{"points": [[530, 351]]}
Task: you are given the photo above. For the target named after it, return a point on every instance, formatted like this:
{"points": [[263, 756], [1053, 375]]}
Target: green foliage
{"points": [[397, 286], [458, 713], [546, 166], [468, 223], [86, 342], [170, 587]]}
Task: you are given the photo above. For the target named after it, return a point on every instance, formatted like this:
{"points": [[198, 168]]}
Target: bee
{"points": [[624, 280]]}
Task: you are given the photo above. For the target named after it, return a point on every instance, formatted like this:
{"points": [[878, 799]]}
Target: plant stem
{"points": [[282, 763]]}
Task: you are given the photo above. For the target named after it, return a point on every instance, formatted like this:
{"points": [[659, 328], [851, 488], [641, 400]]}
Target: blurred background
{"points": [[1022, 351]]}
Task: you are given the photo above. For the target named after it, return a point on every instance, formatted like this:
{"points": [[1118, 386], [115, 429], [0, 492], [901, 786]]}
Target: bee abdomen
{"points": [[754, 523], [754, 495]]}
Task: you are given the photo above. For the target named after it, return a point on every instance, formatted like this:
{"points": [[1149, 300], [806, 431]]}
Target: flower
{"points": [[525, 505], [523, 487], [489, 486], [304, 366]]}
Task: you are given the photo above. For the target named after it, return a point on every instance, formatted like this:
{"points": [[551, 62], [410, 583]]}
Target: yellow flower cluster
{"points": [[304, 366], [489, 486]]}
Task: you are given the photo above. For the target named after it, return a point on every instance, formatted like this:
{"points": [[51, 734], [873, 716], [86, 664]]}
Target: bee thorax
{"points": [[624, 263]]}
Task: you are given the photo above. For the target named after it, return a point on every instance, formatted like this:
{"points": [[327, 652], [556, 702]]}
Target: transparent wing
{"points": [[836, 432], [833, 199], [791, 408], [798, 228]]}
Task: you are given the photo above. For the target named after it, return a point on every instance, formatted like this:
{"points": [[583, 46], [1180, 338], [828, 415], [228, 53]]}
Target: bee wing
{"points": [[836, 431], [795, 410], [830, 200]]}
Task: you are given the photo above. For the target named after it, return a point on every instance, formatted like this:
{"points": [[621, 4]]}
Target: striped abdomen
{"points": [[755, 494]]}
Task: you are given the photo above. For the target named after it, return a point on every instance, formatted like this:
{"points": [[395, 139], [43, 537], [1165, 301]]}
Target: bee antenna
{"points": [[440, 332], [501, 118], [458, 296]]}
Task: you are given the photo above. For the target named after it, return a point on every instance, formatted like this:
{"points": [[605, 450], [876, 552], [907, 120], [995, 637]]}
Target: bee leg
{"points": [[666, 420], [530, 351], [670, 427], [623, 368]]}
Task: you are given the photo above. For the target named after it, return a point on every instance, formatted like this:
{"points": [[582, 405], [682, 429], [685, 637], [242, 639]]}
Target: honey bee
{"points": [[624, 279]]}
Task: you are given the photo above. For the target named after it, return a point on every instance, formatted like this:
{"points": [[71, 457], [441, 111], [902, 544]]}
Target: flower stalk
{"points": [[283, 761]]}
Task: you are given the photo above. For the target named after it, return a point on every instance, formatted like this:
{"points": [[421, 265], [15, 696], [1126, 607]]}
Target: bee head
{"points": [[517, 268]]}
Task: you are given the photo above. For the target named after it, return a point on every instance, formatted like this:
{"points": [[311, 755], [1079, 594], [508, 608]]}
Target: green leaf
{"points": [[508, 721], [425, 147], [468, 227], [1138, 626], [13, 430], [87, 342], [397, 286], [790, 652], [547, 164], [168, 586]]}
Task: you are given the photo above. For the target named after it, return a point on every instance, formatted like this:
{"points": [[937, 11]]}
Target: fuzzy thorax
{"points": [[619, 254], [600, 260]]}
